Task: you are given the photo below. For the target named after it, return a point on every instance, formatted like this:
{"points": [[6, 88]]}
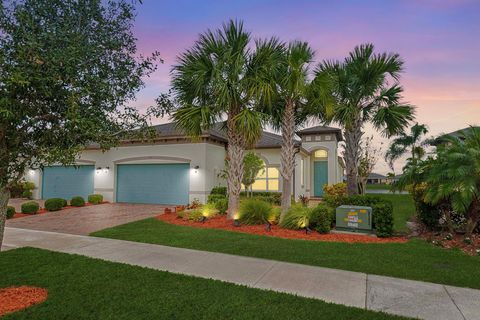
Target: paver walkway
{"points": [[391, 295], [85, 220]]}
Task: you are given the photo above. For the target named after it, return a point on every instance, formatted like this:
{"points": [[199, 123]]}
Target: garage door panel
{"points": [[66, 182], [153, 183]]}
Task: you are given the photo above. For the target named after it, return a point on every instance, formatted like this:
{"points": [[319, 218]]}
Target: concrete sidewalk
{"points": [[396, 296]]}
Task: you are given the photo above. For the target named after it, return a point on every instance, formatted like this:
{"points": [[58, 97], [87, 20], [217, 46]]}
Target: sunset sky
{"points": [[439, 41]]}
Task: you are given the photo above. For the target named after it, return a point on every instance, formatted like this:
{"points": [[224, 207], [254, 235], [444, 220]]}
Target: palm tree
{"points": [[292, 90], [455, 175], [408, 143], [220, 76], [366, 89]]}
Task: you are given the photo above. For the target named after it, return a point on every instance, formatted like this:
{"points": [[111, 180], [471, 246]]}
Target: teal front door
{"points": [[320, 177]]}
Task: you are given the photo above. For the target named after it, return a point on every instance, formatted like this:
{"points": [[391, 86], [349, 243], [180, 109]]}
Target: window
{"points": [[268, 180], [321, 154]]}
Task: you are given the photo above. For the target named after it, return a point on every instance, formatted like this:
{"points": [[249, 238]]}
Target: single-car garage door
{"points": [[153, 183], [66, 182]]}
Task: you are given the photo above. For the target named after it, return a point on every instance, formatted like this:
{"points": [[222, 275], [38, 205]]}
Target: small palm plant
{"points": [[455, 175]]}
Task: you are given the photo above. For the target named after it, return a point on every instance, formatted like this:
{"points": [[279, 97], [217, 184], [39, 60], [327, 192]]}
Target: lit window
{"points": [[321, 154], [267, 180]]}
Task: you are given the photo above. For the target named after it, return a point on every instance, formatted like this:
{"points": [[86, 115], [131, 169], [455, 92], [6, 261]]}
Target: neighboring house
{"points": [[376, 178], [174, 169], [441, 139]]}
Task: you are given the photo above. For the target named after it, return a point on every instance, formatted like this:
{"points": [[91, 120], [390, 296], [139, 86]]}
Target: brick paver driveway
{"points": [[89, 219]]}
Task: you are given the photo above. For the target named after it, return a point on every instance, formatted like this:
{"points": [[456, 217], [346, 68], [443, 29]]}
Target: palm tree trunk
{"points": [[4, 197], [353, 137], [473, 217], [235, 154], [287, 155]]}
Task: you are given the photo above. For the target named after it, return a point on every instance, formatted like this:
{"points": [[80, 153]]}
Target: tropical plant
{"points": [[68, 70], [253, 211], [455, 175], [292, 91], [297, 217], [335, 190], [221, 76], [252, 166], [411, 143], [366, 89]]}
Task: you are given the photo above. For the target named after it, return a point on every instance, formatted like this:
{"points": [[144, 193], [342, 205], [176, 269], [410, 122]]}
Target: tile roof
{"points": [[321, 129]]}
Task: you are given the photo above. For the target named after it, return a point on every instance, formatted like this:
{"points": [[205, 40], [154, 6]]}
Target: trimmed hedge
{"points": [[30, 207], [77, 201], [219, 190], [95, 198], [254, 211], [213, 198], [10, 212], [274, 198], [54, 204], [27, 194], [222, 205], [382, 210], [321, 218]]}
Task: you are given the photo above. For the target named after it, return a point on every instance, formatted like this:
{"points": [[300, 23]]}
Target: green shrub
{"points": [[219, 190], [297, 217], [275, 215], [383, 219], [16, 190], [54, 204], [27, 194], [274, 198], [222, 205], [77, 201], [209, 210], [95, 198], [10, 212], [195, 215], [30, 207], [28, 185], [213, 198], [64, 203], [254, 211], [321, 218], [335, 190]]}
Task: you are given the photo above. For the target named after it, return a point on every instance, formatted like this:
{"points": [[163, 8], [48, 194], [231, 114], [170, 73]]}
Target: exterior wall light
{"points": [[106, 169], [196, 168]]}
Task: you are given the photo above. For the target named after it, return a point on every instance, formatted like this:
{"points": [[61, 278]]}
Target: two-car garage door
{"points": [[153, 183]]}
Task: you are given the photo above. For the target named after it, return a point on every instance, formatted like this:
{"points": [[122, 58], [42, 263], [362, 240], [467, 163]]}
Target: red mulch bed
{"points": [[457, 241], [18, 298], [43, 210], [221, 222]]}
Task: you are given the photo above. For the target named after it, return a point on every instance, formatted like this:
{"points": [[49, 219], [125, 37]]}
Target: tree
{"points": [[220, 76], [455, 176], [368, 160], [67, 71], [408, 143], [366, 89], [292, 92], [252, 166]]}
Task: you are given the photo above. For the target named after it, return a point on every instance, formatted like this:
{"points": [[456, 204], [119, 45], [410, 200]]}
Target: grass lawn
{"points": [[403, 209], [84, 288], [415, 260], [379, 186]]}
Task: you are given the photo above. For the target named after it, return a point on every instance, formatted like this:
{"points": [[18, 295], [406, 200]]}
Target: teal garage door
{"points": [[66, 182], [153, 183]]}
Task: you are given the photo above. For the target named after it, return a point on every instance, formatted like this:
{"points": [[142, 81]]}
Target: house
{"points": [[376, 178], [174, 169], [456, 134]]}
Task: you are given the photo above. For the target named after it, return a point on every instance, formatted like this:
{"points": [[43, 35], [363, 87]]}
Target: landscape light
{"points": [[203, 219], [308, 230], [236, 223], [268, 226]]}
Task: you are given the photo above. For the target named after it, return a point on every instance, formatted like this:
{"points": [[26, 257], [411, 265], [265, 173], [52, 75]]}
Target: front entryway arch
{"points": [[320, 171]]}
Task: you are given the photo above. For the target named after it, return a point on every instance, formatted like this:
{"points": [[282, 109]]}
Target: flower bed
{"points": [[18, 298], [43, 210], [449, 241], [221, 222]]}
